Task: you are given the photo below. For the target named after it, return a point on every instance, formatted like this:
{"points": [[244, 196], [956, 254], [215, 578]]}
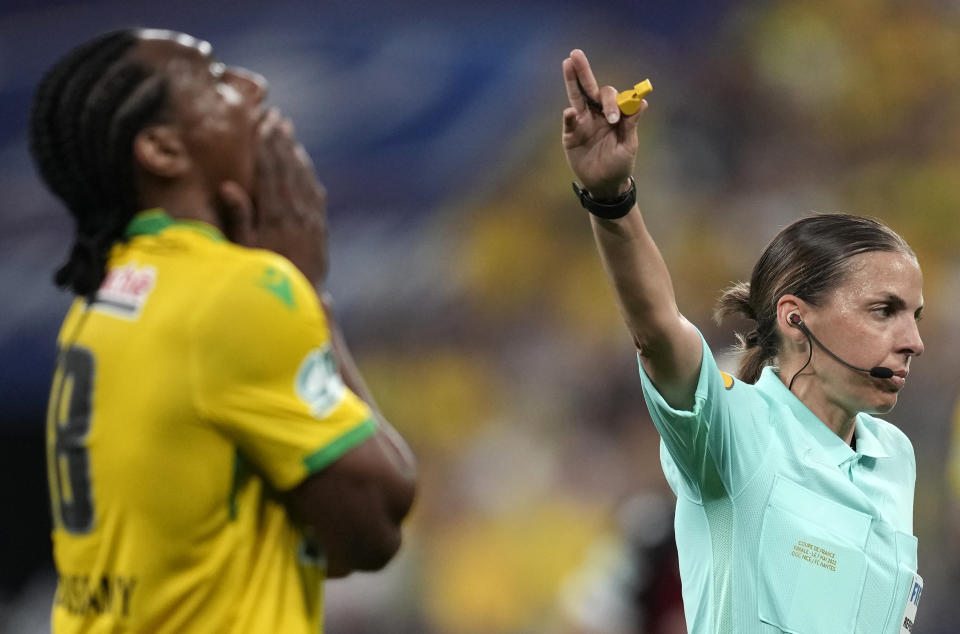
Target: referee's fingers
{"points": [[569, 120], [577, 101], [584, 73], [608, 99]]}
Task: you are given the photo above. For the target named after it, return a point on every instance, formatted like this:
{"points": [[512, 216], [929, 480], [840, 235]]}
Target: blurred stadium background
{"points": [[466, 277]]}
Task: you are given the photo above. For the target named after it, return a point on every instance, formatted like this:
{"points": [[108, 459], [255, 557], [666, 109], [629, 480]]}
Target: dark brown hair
{"points": [[809, 258]]}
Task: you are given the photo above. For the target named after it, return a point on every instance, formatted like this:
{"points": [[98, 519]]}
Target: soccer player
{"points": [[794, 503], [213, 453]]}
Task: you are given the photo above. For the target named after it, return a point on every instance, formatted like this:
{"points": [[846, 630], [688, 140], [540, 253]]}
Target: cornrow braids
{"points": [[85, 115], [46, 133]]}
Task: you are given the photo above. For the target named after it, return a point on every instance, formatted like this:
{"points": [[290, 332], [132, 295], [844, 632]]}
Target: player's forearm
{"points": [[404, 458], [352, 511], [374, 540]]}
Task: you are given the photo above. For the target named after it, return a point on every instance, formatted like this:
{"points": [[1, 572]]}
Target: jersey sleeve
{"points": [[714, 448], [266, 376]]}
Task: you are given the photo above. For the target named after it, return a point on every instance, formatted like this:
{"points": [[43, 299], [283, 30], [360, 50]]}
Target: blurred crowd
{"points": [[493, 342]]}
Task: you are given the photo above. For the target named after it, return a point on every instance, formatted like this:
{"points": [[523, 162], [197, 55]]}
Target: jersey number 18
{"points": [[68, 422]]}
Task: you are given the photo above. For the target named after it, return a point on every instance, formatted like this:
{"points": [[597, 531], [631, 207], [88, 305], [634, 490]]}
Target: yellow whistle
{"points": [[629, 100]]}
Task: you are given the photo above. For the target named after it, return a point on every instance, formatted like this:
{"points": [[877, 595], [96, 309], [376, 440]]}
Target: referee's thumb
{"points": [[631, 122]]}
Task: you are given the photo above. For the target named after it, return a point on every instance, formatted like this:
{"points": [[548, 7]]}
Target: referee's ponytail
{"points": [[808, 259], [758, 346]]}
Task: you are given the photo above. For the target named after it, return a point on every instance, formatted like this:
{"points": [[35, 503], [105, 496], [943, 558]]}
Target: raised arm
{"points": [[601, 149]]}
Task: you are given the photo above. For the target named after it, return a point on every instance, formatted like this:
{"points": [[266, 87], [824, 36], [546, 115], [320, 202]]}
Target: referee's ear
{"points": [[786, 306], [159, 151]]}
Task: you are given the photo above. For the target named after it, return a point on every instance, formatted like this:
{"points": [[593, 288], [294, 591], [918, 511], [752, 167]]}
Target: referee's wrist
{"points": [[603, 195], [609, 208]]}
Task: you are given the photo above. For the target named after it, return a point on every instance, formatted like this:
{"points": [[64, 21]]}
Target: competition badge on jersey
{"points": [[913, 600], [125, 291], [318, 382]]}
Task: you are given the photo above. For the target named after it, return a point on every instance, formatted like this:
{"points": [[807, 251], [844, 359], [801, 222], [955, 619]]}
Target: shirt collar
{"points": [[867, 442], [153, 221], [836, 451]]}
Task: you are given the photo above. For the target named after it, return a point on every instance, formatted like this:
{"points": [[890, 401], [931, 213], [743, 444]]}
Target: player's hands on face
{"points": [[601, 148], [287, 207]]}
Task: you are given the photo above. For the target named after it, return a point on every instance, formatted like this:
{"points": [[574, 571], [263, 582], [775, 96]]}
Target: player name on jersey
{"points": [[83, 595]]}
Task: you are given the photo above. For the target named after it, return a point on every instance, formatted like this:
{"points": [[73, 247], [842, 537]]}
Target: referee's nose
{"points": [[911, 344]]}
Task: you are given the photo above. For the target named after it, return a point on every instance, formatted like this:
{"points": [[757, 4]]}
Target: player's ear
{"points": [[159, 150]]}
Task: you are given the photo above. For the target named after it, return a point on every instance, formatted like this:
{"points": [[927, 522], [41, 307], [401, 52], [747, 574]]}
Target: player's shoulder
{"points": [[260, 282], [259, 269]]}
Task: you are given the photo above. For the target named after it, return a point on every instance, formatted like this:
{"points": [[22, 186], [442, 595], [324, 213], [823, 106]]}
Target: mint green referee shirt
{"points": [[780, 525]]}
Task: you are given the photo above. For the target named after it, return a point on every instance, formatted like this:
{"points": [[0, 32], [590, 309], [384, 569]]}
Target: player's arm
{"points": [[357, 504], [272, 376], [601, 148]]}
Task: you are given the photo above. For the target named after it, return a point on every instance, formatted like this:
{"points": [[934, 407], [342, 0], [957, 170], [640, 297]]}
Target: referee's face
{"points": [[215, 107], [870, 320]]}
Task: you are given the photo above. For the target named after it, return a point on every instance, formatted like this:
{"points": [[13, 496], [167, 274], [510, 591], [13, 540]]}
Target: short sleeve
{"points": [[265, 374], [716, 447]]}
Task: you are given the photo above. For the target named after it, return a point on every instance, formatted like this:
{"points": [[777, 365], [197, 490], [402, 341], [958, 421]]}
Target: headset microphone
{"points": [[878, 372]]}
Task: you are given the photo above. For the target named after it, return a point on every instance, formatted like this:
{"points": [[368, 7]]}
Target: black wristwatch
{"points": [[608, 209]]}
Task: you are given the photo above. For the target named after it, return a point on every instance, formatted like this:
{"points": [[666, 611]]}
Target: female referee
{"points": [[794, 504]]}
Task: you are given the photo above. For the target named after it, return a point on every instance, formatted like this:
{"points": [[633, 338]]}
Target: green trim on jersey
{"points": [[153, 221], [150, 222], [323, 457], [241, 469]]}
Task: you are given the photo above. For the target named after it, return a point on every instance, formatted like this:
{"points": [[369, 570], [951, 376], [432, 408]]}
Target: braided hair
{"points": [[809, 259], [86, 112]]}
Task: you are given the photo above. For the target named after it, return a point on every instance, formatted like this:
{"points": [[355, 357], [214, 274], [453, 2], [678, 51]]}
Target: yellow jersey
{"points": [[196, 388]]}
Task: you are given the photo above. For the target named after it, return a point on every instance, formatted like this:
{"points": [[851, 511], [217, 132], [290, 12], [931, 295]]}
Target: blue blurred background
{"points": [[464, 270]]}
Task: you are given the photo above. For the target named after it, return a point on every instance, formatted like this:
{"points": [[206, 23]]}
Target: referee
{"points": [[794, 503]]}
